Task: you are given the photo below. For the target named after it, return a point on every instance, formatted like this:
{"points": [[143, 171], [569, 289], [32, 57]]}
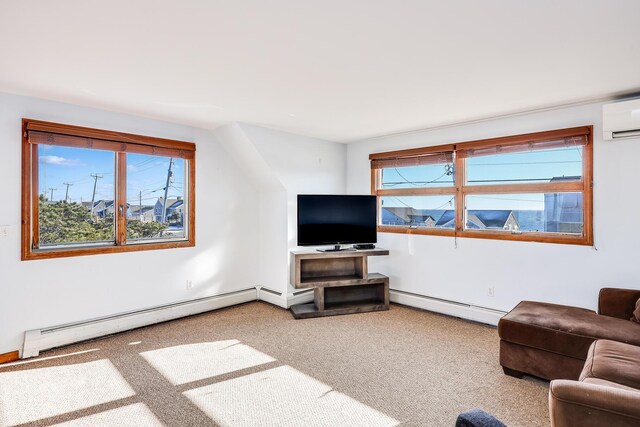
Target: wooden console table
{"points": [[340, 281]]}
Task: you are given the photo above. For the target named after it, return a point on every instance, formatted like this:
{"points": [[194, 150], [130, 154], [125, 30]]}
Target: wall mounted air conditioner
{"points": [[621, 120]]}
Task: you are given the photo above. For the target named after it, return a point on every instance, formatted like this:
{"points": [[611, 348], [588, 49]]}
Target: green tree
{"points": [[138, 229], [62, 222], [175, 218]]}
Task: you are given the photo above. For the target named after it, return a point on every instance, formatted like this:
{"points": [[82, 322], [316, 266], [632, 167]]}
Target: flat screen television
{"points": [[336, 219]]}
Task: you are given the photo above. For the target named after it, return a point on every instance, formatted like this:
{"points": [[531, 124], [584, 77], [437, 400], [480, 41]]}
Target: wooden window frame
{"points": [[117, 142], [461, 189]]}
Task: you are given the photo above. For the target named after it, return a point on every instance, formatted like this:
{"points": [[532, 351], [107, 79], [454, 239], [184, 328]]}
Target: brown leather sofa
{"points": [[551, 341], [607, 393]]}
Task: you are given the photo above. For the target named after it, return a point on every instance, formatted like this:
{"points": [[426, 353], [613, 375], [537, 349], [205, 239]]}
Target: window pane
{"points": [[69, 180], [437, 175], [419, 211], [558, 164], [550, 212], [156, 204]]}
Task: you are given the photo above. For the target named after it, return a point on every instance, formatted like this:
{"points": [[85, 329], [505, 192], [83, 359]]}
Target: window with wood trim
{"points": [[90, 191], [532, 187]]}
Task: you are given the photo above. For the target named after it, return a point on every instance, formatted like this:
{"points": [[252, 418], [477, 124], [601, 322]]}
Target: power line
{"points": [[524, 163], [448, 171], [504, 198], [145, 169], [448, 202], [144, 162], [512, 180]]}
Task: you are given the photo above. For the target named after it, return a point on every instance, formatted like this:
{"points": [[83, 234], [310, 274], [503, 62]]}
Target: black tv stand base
{"points": [[336, 248]]}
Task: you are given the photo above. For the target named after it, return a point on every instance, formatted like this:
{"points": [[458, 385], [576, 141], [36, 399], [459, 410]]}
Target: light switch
{"points": [[4, 231]]}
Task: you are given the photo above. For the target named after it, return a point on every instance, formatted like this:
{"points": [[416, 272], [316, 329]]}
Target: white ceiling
{"points": [[341, 70]]}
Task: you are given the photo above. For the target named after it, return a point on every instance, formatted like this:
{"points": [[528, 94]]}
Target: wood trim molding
{"points": [[408, 230], [112, 249], [121, 199], [412, 152], [495, 235], [191, 165], [547, 187], [107, 135], [12, 356], [434, 191], [26, 192], [29, 204], [489, 142]]}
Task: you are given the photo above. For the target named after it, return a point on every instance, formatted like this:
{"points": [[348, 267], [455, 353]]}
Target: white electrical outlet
{"points": [[4, 231], [491, 291], [189, 284]]}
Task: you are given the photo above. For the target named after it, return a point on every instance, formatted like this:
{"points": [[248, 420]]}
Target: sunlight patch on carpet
{"points": [[136, 415], [35, 394], [282, 396], [192, 362]]}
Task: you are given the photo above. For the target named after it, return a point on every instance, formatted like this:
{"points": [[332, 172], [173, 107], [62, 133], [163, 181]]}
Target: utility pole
{"points": [[166, 190], [66, 194], [52, 190], [96, 177], [140, 204]]}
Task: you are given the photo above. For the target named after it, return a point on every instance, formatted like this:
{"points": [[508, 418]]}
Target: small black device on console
{"points": [[364, 247]]}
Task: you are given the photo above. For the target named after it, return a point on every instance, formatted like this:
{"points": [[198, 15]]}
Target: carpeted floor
{"points": [[254, 365]]}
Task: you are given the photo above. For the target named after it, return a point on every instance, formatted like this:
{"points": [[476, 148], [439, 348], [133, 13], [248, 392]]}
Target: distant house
{"points": [[173, 207], [407, 216], [396, 215], [389, 217], [101, 208], [447, 219], [404, 215], [429, 221], [142, 213], [482, 220]]}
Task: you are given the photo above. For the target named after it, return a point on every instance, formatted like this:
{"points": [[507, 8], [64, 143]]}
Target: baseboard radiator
{"points": [[284, 300], [271, 296], [450, 308], [37, 340]]}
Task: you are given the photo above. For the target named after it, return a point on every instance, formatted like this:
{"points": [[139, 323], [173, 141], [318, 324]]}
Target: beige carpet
{"points": [[254, 365]]}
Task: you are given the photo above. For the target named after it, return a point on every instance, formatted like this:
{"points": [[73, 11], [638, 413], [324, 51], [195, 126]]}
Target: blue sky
{"points": [[531, 167], [146, 174]]}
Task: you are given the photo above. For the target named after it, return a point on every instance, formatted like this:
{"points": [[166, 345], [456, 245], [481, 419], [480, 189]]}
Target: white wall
{"points": [[43, 293], [246, 210], [303, 165], [271, 211], [564, 274]]}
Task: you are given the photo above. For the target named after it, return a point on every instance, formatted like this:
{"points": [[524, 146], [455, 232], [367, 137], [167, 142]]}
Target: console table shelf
{"points": [[340, 281]]}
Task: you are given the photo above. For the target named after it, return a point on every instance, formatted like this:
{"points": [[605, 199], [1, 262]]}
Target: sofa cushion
{"points": [[563, 329], [598, 381], [613, 361], [617, 302], [636, 312]]}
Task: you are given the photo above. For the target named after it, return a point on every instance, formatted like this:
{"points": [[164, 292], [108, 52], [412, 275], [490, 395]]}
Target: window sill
{"points": [[560, 238], [110, 249]]}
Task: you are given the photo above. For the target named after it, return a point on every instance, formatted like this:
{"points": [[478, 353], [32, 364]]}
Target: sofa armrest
{"points": [[618, 303], [574, 403]]}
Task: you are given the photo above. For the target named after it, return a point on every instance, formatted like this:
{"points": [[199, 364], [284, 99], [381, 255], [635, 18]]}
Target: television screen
{"points": [[336, 219]]}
